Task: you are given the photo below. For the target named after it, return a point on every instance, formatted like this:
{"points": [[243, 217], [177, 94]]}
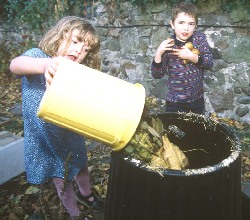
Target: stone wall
{"points": [[130, 36]]}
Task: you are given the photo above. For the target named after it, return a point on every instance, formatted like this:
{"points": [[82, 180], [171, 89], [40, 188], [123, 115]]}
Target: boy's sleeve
{"points": [[158, 70], [205, 60]]}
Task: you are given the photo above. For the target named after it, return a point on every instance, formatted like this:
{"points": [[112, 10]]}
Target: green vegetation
{"points": [[38, 12], [230, 5], [34, 12]]}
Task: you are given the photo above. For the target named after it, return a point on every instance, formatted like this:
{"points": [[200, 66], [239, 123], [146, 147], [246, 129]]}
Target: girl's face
{"points": [[184, 26], [76, 50]]}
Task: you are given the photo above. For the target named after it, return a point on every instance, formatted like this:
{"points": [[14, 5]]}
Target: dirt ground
{"points": [[21, 200]]}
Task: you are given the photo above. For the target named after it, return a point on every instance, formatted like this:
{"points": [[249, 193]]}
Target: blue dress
{"points": [[50, 151]]}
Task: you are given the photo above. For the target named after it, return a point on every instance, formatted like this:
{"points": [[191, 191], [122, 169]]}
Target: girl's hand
{"points": [[51, 68], [166, 45]]}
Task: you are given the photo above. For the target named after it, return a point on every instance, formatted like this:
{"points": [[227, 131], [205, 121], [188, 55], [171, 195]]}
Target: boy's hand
{"points": [[166, 45], [185, 54]]}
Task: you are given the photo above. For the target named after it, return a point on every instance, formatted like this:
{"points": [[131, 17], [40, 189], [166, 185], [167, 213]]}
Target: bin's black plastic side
{"points": [[245, 206], [137, 194]]}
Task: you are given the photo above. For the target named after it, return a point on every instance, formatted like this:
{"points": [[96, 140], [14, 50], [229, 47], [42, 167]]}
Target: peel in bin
{"points": [[94, 104]]}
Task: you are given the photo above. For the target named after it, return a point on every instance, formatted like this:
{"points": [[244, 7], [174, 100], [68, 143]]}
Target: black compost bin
{"points": [[245, 207], [210, 189]]}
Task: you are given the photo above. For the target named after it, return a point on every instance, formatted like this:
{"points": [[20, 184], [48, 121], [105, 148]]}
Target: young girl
{"points": [[184, 68], [51, 151]]}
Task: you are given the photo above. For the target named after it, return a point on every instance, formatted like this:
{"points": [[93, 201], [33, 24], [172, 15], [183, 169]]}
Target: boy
{"points": [[185, 69]]}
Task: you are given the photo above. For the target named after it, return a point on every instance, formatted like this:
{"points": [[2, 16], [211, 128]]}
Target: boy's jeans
{"points": [[197, 107]]}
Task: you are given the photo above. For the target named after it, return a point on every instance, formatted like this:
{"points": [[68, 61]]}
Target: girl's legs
{"points": [[67, 195], [83, 182], [84, 195]]}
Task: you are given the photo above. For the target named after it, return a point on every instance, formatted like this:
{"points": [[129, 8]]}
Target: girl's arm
{"points": [[25, 65]]}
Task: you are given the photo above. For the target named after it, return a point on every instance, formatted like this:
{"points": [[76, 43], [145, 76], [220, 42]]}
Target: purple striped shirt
{"points": [[185, 81]]}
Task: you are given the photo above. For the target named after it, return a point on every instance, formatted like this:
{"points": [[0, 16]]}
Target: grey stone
{"points": [[244, 100], [160, 89], [237, 90], [220, 99], [212, 80], [222, 44], [156, 7], [17, 109], [216, 53], [159, 35], [238, 50], [209, 7], [239, 14], [219, 64], [12, 159], [130, 41], [5, 134], [242, 110], [113, 45], [246, 90]]}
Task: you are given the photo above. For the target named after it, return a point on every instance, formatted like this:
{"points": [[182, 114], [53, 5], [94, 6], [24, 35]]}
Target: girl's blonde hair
{"points": [[188, 8], [54, 37]]}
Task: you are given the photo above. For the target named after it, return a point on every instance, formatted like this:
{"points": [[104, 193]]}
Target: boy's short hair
{"points": [[187, 8]]}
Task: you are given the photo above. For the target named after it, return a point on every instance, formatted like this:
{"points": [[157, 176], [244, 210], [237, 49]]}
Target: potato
{"points": [[196, 51], [189, 45]]}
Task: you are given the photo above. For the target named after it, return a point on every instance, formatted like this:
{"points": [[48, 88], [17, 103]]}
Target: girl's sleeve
{"points": [[158, 70], [205, 60], [35, 52]]}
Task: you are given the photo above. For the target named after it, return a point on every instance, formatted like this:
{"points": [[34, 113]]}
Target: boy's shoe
{"points": [[97, 205]]}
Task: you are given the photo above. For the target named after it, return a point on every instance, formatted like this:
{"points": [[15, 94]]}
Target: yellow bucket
{"points": [[93, 104]]}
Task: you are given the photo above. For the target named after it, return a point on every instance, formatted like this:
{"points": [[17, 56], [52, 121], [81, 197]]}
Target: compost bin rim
{"points": [[189, 172], [192, 172]]}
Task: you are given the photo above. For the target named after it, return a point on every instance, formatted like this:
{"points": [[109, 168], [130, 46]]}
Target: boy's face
{"points": [[72, 48], [184, 26]]}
